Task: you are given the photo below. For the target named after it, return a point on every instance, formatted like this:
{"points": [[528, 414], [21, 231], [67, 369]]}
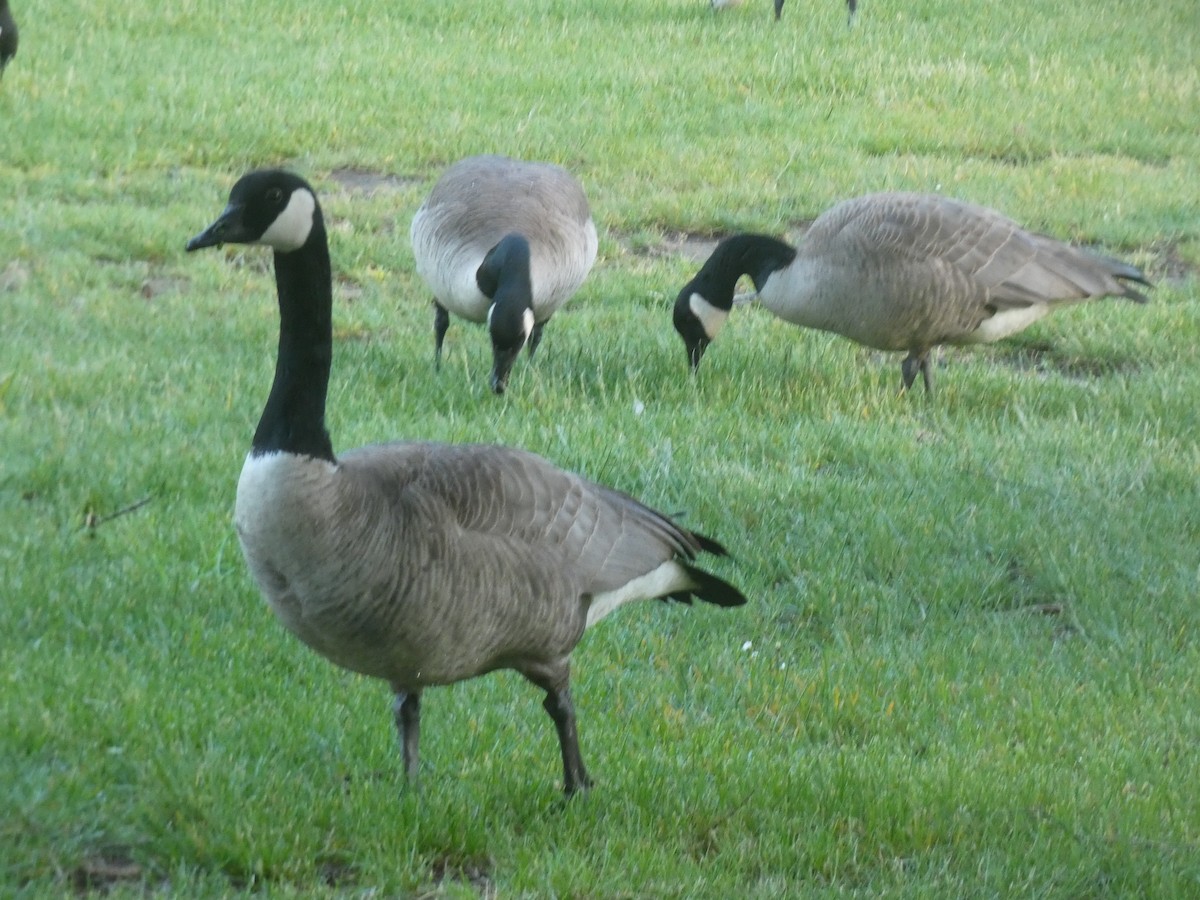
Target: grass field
{"points": [[970, 662]]}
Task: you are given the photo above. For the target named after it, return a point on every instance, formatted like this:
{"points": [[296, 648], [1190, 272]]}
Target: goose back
{"points": [[903, 271], [480, 200]]}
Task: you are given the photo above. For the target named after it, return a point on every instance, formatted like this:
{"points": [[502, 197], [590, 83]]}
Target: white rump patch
{"points": [[666, 579], [1006, 322], [291, 227], [712, 319]]}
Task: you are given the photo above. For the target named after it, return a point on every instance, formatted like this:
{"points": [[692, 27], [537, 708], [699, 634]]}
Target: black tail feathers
{"points": [[710, 589]]}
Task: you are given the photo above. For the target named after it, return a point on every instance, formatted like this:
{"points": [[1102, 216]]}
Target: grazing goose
{"points": [[503, 241], [423, 563], [9, 36], [902, 272]]}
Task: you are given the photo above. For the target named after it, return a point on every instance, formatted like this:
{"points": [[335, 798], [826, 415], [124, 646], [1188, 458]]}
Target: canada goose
{"points": [[503, 241], [901, 271], [423, 563], [9, 36]]}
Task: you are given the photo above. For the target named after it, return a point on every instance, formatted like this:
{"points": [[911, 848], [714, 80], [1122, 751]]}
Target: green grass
{"points": [[973, 637]]}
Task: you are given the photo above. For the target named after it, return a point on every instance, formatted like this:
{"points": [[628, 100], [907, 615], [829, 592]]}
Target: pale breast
{"points": [[479, 201], [447, 262], [371, 566], [286, 517]]}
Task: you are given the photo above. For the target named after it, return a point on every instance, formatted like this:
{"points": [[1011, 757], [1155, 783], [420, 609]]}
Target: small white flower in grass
{"points": [[748, 645], [638, 407]]}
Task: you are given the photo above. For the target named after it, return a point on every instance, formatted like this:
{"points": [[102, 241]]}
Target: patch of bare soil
{"points": [[472, 873], [158, 285], [337, 871], [696, 246], [1169, 264], [13, 277], [364, 181], [103, 872]]}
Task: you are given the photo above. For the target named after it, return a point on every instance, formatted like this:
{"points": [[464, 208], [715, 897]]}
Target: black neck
{"points": [[504, 277], [293, 420], [756, 255]]}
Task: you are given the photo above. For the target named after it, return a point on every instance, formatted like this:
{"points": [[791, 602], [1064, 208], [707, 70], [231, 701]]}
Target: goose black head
{"points": [[9, 35], [504, 278], [704, 303], [688, 322], [271, 207]]}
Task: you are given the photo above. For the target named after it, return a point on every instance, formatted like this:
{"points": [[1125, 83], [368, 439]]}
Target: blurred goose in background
{"points": [[9, 36], [423, 563], [505, 242], [852, 5], [898, 271]]}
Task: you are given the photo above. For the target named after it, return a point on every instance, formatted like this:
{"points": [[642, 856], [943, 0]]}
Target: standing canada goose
{"points": [[9, 36], [902, 272], [503, 241], [423, 563]]}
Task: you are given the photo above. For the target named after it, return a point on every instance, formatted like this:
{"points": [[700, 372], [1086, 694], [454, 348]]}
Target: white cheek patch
{"points": [[291, 227], [527, 321], [712, 318]]}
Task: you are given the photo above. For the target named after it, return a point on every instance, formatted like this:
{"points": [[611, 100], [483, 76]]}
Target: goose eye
{"points": [[275, 195]]}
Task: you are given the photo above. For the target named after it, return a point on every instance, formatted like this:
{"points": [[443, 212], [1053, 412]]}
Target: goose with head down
{"points": [[906, 272], [506, 242]]}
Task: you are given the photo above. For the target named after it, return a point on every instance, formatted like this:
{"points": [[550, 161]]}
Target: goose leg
{"points": [[554, 678], [562, 711], [535, 337], [441, 322], [407, 710], [914, 363]]}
